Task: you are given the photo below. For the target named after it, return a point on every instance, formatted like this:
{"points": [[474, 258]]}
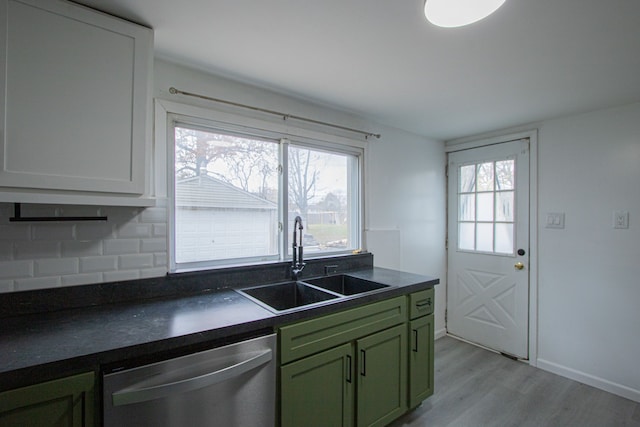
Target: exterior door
{"points": [[488, 246]]}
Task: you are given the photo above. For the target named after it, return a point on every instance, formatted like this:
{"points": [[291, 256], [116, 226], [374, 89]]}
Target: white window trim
{"points": [[165, 112]]}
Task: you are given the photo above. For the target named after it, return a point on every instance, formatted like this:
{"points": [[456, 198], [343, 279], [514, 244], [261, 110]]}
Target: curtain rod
{"points": [[367, 135]]}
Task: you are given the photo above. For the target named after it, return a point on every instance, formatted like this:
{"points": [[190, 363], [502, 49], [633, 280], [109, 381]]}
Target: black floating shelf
{"points": [[17, 217]]}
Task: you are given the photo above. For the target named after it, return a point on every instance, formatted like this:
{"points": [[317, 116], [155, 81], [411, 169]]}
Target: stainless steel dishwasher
{"points": [[230, 386]]}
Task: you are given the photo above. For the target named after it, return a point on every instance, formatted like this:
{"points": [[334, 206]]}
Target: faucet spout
{"points": [[298, 261]]}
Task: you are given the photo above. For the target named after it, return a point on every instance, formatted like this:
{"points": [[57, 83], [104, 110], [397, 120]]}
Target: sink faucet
{"points": [[298, 263]]}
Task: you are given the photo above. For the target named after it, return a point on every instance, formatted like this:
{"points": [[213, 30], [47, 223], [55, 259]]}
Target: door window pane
{"points": [[504, 238], [505, 177], [466, 236], [485, 207], [484, 240], [504, 206], [468, 179], [486, 203], [485, 177], [467, 207]]}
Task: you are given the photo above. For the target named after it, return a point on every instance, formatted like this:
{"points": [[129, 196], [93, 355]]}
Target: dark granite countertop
{"points": [[41, 346]]}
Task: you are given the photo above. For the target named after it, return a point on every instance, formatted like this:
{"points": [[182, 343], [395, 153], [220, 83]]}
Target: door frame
{"points": [[532, 135]]}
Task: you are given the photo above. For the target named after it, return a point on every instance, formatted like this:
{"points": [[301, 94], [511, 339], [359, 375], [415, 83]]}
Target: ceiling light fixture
{"points": [[456, 13]]}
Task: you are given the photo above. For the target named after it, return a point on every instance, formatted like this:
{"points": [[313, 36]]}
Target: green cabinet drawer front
{"points": [[420, 360], [317, 391], [382, 377], [65, 402], [421, 303], [314, 335]]}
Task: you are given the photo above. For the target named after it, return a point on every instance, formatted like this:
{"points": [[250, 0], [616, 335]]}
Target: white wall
{"points": [[404, 192], [406, 197], [589, 287]]}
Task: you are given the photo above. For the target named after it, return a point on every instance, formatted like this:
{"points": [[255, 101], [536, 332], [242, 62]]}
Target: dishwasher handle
{"points": [[136, 394]]}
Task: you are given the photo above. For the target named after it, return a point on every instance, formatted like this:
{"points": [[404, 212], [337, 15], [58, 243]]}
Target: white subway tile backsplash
{"points": [[38, 283], [159, 230], [74, 248], [154, 245], [117, 276], [15, 232], [56, 267], [154, 215], [160, 260], [6, 286], [98, 263], [152, 272], [94, 231], [6, 250], [53, 231], [131, 244], [121, 246], [34, 250], [128, 262], [81, 279], [134, 230], [15, 269]]}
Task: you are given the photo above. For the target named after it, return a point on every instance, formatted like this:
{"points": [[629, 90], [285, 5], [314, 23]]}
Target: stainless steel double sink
{"points": [[291, 295]]}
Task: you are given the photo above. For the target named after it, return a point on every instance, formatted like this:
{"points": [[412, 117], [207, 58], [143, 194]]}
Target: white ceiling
{"points": [[531, 60]]}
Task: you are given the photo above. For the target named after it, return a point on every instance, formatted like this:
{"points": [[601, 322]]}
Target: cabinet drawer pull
{"points": [[426, 303], [349, 369], [363, 364], [415, 340]]}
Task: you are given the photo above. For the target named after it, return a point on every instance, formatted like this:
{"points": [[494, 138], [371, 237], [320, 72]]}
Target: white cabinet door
{"points": [[75, 100]]}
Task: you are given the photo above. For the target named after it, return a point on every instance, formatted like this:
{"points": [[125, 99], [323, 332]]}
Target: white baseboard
{"points": [[601, 383], [440, 333]]}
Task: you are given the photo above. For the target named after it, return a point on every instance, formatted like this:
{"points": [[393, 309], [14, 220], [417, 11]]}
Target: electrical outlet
{"points": [[621, 219]]}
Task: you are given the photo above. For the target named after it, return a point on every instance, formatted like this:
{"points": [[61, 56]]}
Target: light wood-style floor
{"points": [[476, 388]]}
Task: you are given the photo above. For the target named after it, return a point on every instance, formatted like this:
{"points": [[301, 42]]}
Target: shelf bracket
{"points": [[17, 217]]}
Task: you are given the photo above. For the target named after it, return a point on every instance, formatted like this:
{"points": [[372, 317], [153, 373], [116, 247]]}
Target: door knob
{"points": [[519, 265]]}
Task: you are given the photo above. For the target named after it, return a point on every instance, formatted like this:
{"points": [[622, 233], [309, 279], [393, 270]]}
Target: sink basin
{"points": [[345, 285], [285, 296]]}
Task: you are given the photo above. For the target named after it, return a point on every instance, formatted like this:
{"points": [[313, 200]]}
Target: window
{"points": [[486, 207], [235, 190]]}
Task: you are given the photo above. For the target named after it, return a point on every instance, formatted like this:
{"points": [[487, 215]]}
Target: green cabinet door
{"points": [[64, 402], [420, 360], [382, 377], [318, 391]]}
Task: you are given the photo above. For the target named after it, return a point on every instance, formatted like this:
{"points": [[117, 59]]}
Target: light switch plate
{"points": [[555, 220], [621, 219]]}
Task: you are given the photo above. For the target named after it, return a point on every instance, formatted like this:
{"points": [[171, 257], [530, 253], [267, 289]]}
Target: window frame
{"points": [[168, 113]]}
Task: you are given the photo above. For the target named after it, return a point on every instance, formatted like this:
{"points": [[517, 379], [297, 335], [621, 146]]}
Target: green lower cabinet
{"points": [[420, 360], [64, 402], [362, 367], [382, 377], [318, 391]]}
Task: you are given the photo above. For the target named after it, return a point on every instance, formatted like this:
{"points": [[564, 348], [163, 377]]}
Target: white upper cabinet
{"points": [[74, 116]]}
